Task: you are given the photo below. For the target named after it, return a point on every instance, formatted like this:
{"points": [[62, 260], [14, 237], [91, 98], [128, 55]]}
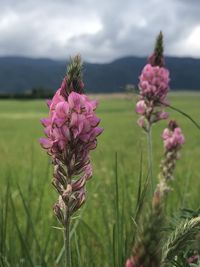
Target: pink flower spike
{"points": [[154, 83], [71, 129], [153, 87], [173, 137]]}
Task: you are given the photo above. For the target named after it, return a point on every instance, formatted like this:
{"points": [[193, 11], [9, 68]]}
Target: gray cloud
{"points": [[100, 31]]}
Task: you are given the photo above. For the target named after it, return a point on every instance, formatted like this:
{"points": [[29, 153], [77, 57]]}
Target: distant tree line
{"points": [[34, 93]]}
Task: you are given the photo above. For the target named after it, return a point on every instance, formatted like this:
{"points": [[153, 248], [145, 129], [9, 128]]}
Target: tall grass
{"points": [[102, 231]]}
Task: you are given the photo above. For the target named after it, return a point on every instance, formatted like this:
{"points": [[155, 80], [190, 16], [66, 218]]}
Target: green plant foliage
{"points": [[102, 233]]}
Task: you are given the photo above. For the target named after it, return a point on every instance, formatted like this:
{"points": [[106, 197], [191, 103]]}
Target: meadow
{"points": [[102, 231]]}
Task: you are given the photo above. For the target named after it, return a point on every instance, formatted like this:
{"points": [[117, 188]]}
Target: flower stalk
{"points": [[150, 157], [153, 86], [147, 247], [67, 238], [71, 132]]}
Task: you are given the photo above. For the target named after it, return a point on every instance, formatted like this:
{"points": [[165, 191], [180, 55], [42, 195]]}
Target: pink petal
{"points": [[61, 144], [95, 132], [45, 143], [56, 99], [94, 121], [78, 184], [85, 137], [47, 130], [86, 126], [62, 109], [141, 107], [48, 101], [74, 119], [166, 134], [46, 121], [92, 145], [74, 101], [88, 172], [65, 131]]}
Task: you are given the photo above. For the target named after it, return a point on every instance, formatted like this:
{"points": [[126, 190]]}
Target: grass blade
{"points": [[24, 243], [31, 225], [182, 113]]}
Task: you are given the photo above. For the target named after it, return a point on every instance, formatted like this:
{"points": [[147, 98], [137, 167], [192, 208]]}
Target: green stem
{"points": [[182, 113], [150, 157], [67, 238]]}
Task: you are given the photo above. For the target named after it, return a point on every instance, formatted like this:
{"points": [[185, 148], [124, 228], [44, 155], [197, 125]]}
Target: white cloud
{"points": [[191, 46], [100, 31]]}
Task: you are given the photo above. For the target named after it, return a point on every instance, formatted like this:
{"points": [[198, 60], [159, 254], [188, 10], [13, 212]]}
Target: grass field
{"points": [[28, 237]]}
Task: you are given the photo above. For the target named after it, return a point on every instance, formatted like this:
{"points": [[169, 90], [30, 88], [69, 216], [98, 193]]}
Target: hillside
{"points": [[18, 74]]}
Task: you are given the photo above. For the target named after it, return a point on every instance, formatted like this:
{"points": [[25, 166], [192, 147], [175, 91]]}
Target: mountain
{"points": [[20, 74]]}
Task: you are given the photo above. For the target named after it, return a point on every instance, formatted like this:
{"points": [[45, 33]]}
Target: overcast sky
{"points": [[100, 30]]}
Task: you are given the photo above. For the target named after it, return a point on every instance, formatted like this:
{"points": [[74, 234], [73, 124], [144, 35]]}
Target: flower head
{"points": [[71, 131], [153, 87], [173, 140], [173, 137], [154, 79], [154, 83], [70, 121]]}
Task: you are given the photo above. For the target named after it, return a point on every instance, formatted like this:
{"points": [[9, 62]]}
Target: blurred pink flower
{"points": [[129, 263], [193, 259], [154, 83], [141, 107], [173, 138], [163, 115], [153, 87]]}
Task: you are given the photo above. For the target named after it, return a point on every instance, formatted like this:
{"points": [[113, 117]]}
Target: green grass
{"points": [[99, 232]]}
